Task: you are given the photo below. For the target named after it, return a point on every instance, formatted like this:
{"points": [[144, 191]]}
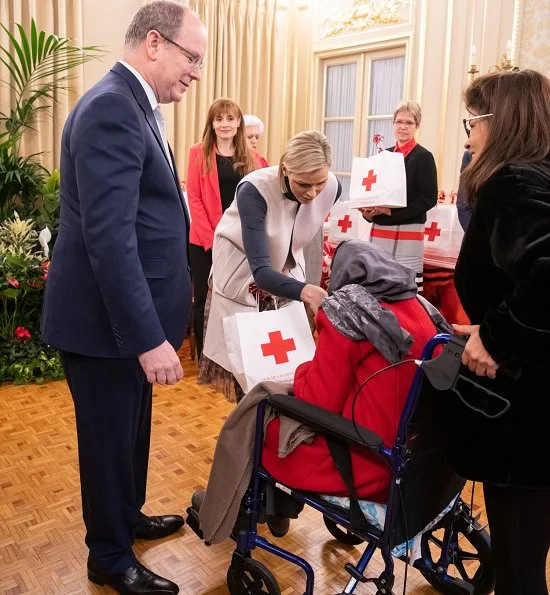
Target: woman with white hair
{"points": [[254, 130], [259, 245]]}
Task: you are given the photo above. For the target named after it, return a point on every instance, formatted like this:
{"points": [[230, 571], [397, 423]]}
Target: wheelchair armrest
{"points": [[322, 420]]}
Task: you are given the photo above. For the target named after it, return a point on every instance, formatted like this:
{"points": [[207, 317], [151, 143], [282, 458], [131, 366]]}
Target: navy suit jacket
{"points": [[119, 281]]}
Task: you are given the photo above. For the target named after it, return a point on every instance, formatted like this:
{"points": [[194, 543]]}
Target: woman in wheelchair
{"points": [[371, 318]]}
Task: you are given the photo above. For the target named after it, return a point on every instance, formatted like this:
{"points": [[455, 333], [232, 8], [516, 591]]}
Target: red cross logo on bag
{"points": [[345, 223], [432, 232], [278, 347], [369, 180]]}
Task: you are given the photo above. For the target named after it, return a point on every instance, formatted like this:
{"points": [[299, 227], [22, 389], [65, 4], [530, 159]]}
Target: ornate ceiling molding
{"points": [[365, 14]]}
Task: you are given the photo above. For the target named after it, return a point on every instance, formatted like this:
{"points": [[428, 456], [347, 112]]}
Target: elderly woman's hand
{"points": [[313, 295], [475, 356]]}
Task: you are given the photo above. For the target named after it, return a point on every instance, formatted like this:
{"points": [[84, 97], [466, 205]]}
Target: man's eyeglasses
{"points": [[468, 126], [194, 61]]}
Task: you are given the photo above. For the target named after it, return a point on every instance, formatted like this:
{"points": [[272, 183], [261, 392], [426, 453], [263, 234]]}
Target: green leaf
{"points": [[13, 69], [10, 293], [19, 51], [34, 43], [26, 46], [40, 49]]}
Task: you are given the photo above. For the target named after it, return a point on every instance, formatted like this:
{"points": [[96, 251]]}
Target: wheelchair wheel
{"points": [[470, 558], [250, 577], [341, 535]]}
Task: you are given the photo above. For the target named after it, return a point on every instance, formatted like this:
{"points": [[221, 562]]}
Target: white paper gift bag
{"points": [[378, 181], [268, 345], [347, 224], [442, 232]]}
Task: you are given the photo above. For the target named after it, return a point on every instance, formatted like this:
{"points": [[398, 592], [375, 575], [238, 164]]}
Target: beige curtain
{"points": [[241, 63], [63, 18], [255, 56]]}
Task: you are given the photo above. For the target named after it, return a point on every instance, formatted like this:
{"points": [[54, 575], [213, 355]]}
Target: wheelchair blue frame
{"points": [[247, 537]]}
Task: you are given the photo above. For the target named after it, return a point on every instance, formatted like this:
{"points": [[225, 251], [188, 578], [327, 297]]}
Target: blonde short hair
{"points": [[409, 106], [305, 152]]}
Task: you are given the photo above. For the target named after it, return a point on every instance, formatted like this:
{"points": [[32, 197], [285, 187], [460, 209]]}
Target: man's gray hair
{"points": [[164, 16], [250, 120]]}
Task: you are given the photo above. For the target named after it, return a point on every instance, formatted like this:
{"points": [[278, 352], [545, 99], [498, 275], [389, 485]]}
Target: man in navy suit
{"points": [[118, 297]]}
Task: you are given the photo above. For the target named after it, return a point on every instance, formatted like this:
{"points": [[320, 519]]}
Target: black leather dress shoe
{"points": [[155, 527], [137, 580]]}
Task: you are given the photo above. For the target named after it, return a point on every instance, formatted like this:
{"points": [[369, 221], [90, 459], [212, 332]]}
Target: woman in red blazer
{"points": [[215, 167], [372, 298]]}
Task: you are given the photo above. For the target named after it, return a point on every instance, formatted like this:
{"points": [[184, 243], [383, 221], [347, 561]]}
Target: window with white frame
{"points": [[360, 92]]}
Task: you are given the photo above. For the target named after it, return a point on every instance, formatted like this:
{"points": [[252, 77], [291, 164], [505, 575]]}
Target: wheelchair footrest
{"points": [[193, 521], [350, 569]]}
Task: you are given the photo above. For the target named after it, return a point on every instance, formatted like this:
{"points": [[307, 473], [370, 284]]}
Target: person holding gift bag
{"points": [[401, 231], [258, 249]]}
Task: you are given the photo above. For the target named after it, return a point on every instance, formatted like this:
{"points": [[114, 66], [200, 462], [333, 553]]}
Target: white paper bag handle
{"points": [[273, 297]]}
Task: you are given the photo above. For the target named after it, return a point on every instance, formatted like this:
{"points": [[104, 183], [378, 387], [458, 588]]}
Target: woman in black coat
{"points": [[503, 279]]}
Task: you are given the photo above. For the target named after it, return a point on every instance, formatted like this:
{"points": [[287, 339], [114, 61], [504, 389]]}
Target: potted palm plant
{"points": [[39, 65]]}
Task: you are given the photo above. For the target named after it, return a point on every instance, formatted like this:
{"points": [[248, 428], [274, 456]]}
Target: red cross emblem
{"points": [[345, 223], [278, 347], [369, 180], [432, 232]]}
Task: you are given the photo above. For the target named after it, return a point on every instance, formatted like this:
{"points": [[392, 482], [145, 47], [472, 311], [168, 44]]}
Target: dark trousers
{"points": [[201, 263], [112, 400], [519, 522]]}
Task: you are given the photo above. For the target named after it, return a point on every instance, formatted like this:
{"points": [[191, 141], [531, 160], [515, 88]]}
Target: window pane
{"points": [[383, 127], [340, 99], [340, 136], [345, 181], [386, 86]]}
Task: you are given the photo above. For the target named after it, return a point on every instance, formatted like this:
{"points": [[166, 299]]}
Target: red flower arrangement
{"points": [[22, 334], [45, 267]]}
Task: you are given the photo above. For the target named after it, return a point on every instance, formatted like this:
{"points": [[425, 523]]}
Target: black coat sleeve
{"points": [[517, 211]]}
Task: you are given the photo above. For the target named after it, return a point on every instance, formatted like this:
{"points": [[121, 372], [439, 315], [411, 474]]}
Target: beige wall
{"points": [[534, 48], [105, 23]]}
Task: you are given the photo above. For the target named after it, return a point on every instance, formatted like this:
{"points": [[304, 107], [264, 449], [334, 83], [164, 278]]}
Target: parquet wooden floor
{"points": [[42, 548]]}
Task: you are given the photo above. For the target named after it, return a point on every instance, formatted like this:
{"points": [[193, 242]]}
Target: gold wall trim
{"points": [[363, 15]]}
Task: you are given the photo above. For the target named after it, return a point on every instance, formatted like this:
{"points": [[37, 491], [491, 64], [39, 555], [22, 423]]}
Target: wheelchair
{"points": [[424, 500]]}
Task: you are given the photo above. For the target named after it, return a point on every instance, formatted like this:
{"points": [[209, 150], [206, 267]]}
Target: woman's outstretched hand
{"points": [[313, 295], [475, 356]]}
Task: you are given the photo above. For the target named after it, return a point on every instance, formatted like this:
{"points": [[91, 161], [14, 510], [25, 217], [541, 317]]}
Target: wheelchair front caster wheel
{"points": [[341, 535], [250, 577]]}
